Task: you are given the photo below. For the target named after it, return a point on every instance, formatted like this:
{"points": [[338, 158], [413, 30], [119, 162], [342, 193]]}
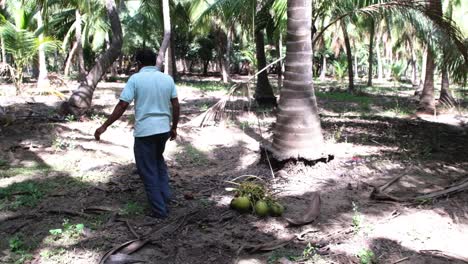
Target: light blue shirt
{"points": [[152, 91]]}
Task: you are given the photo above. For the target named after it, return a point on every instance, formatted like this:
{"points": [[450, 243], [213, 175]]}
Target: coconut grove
{"points": [[228, 131]]}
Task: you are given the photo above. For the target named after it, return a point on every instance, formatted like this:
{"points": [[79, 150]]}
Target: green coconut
{"points": [[276, 209], [261, 208], [241, 204]]}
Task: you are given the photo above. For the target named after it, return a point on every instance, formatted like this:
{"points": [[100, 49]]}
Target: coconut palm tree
{"points": [[21, 39], [298, 134], [80, 100]]}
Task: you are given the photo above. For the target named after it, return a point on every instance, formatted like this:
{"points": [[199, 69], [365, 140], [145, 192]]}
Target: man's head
{"points": [[145, 57]]}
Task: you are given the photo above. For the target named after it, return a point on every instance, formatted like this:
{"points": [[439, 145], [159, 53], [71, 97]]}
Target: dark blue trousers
{"points": [[153, 170]]}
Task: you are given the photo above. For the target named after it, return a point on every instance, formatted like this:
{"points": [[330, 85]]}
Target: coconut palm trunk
{"points": [[167, 35], [263, 91], [79, 47], [80, 100], [349, 57], [42, 80], [297, 133], [427, 100], [371, 51], [446, 96]]}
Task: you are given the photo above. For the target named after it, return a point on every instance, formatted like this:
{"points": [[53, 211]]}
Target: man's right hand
{"points": [[99, 131], [173, 133]]}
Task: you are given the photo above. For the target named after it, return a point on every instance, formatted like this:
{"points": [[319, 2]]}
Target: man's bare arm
{"points": [[116, 114], [175, 117]]}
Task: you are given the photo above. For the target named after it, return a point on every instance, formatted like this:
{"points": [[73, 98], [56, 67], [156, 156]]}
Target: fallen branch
{"points": [[461, 186], [115, 249], [378, 194], [68, 212], [401, 260], [130, 228], [216, 111], [388, 184], [445, 255]]}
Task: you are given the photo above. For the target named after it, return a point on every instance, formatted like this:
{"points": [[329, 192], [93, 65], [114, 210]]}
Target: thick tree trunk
{"points": [[263, 91], [80, 100], [349, 57], [42, 80], [371, 53], [427, 101], [298, 134], [446, 97]]}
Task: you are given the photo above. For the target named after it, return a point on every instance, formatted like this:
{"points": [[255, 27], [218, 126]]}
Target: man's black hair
{"points": [[146, 57]]}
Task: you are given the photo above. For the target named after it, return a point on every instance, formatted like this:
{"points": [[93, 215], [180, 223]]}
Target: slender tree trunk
{"points": [[172, 59], [80, 100], [79, 48], [414, 66], [42, 80], [423, 72], [371, 52], [389, 55], [427, 101], [222, 50], [446, 97], [356, 74], [280, 63], [323, 71], [68, 63], [263, 91], [349, 56], [167, 34], [4, 60], [298, 134], [227, 55]]}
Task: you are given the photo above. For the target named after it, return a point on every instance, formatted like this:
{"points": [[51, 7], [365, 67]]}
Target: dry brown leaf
{"points": [[310, 214]]}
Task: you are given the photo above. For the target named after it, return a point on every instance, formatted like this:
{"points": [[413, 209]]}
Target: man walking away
{"points": [[156, 101]]}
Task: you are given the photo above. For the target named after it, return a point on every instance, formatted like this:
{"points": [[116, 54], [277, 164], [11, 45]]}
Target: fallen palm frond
{"points": [[379, 194], [217, 112]]}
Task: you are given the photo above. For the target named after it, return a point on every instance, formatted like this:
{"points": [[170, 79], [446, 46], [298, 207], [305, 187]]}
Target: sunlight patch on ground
{"points": [[425, 230]]}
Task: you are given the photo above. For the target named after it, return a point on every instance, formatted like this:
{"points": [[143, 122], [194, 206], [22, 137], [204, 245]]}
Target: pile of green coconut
{"points": [[251, 197]]}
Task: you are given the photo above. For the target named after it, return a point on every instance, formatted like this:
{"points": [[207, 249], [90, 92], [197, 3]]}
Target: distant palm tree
{"points": [[21, 41]]}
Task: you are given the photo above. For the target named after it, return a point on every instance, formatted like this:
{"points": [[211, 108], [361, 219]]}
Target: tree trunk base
{"points": [[447, 100], [266, 101], [267, 156]]}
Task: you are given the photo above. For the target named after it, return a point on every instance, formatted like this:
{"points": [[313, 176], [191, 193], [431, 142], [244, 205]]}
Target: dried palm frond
{"points": [[217, 112]]}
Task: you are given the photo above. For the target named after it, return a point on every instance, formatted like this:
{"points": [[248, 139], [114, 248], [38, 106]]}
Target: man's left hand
{"points": [[173, 134], [99, 131]]}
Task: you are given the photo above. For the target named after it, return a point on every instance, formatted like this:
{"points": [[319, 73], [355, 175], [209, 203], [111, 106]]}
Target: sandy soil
{"points": [[76, 180]]}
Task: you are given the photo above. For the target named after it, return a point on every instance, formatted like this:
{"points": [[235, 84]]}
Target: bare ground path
{"points": [[54, 176]]}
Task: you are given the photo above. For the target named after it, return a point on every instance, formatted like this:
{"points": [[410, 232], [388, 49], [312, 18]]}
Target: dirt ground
{"points": [[65, 198]]}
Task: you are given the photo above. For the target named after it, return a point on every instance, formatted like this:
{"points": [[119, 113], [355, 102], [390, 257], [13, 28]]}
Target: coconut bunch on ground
{"points": [[252, 197]]}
